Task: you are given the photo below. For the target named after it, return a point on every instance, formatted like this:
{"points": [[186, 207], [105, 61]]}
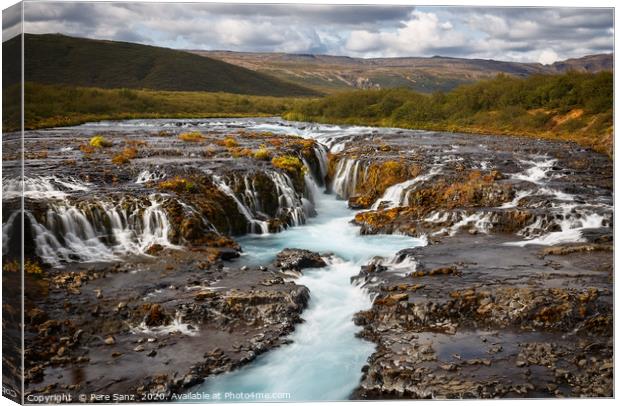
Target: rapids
{"points": [[324, 350]]}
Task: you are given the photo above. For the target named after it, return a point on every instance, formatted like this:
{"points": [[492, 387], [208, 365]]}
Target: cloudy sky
{"points": [[518, 34]]}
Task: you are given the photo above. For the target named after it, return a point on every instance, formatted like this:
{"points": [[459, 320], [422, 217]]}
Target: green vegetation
{"points": [[178, 184], [288, 163], [99, 141], [58, 59], [54, 106], [262, 154], [572, 106]]}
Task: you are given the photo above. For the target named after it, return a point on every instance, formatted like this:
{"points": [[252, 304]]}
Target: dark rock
{"points": [[298, 259]]}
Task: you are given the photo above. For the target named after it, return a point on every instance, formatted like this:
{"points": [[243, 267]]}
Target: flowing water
{"points": [[325, 358]]}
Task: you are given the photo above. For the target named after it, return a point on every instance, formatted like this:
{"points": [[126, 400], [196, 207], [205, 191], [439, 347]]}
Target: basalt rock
{"points": [[298, 259]]}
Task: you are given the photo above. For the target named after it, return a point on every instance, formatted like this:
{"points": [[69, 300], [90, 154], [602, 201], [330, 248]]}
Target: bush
{"points": [[288, 163], [178, 184], [193, 136], [230, 142], [125, 156], [99, 141], [262, 154]]}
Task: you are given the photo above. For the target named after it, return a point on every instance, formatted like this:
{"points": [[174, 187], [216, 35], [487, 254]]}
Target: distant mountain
{"points": [[59, 59], [590, 63], [327, 73]]}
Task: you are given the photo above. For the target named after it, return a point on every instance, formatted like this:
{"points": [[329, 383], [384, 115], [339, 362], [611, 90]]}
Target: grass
{"points": [[55, 106], [193, 136], [178, 184], [262, 154], [125, 156], [60, 59], [573, 107], [99, 141]]}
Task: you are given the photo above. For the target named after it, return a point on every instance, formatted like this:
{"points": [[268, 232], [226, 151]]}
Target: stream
{"points": [[324, 359]]}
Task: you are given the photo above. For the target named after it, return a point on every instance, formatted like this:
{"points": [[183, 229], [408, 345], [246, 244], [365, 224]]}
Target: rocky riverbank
{"points": [[513, 295], [137, 284], [128, 231]]}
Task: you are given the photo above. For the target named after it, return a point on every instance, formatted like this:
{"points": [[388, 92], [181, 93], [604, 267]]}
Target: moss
{"points": [[99, 141], [87, 149], [237, 152], [289, 163], [30, 267], [230, 142], [193, 136], [125, 156], [179, 185], [262, 154]]}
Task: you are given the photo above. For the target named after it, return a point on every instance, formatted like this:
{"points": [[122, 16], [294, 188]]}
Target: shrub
{"points": [[125, 156], [193, 136], [178, 184], [288, 163], [87, 149], [230, 142], [240, 152], [262, 154], [99, 141]]}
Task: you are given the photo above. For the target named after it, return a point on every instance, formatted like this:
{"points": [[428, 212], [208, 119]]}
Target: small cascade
{"points": [[150, 176], [176, 326], [256, 226], [346, 178], [537, 170], [99, 231], [290, 204], [566, 226], [398, 195], [42, 187]]}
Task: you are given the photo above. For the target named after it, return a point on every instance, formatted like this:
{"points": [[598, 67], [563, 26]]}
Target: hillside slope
{"points": [[571, 106], [328, 73], [58, 59]]}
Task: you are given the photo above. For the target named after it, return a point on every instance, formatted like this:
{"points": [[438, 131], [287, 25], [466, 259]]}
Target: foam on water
{"points": [[324, 349]]}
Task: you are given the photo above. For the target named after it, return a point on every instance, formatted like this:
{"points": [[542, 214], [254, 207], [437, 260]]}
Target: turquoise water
{"points": [[324, 360]]}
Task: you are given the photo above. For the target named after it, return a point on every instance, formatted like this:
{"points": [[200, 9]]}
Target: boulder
{"points": [[297, 259]]}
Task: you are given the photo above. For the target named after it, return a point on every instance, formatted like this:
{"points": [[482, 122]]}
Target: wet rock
{"points": [[298, 259]]}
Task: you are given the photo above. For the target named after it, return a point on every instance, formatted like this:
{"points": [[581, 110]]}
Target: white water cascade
{"points": [[101, 231], [325, 344], [346, 177], [398, 194]]}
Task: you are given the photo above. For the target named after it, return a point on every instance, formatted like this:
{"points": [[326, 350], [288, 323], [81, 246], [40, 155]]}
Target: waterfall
{"points": [[149, 176], [42, 187], [7, 230], [570, 219], [255, 224], [100, 231], [321, 155], [398, 194], [290, 204], [346, 178]]}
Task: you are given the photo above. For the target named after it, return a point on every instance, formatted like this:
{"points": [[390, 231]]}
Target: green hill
{"points": [[571, 106], [58, 59]]}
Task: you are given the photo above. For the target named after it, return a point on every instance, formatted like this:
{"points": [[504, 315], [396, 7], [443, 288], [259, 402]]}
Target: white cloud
{"points": [[503, 33], [548, 56], [421, 34]]}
